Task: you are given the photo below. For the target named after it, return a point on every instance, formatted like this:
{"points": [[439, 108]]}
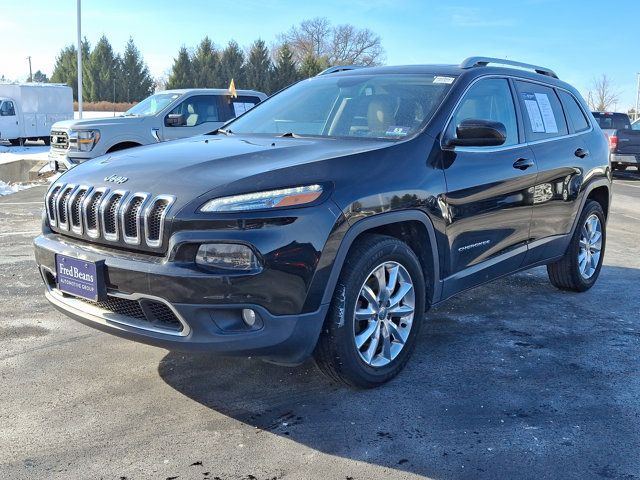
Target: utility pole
{"points": [[637, 115], [79, 65], [30, 74]]}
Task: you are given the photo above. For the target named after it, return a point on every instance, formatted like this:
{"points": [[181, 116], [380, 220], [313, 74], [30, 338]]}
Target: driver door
{"points": [[9, 127], [199, 114], [488, 205]]}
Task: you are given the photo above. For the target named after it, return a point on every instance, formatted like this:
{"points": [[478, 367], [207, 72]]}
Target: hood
{"points": [[87, 123], [192, 167]]}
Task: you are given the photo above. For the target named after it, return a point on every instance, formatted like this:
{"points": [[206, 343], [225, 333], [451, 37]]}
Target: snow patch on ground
{"points": [[11, 154], [9, 188]]}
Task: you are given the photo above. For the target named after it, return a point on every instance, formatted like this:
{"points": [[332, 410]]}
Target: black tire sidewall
{"points": [[359, 372]]}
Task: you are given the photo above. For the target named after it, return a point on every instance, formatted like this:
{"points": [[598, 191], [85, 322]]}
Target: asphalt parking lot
{"points": [[511, 380]]}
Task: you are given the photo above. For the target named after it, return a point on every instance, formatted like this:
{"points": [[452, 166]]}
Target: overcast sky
{"points": [[578, 39]]}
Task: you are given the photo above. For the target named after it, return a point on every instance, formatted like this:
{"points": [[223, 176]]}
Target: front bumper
{"points": [[65, 159], [194, 314]]}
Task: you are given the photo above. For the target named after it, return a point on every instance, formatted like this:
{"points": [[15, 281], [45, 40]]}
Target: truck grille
{"points": [[59, 139], [110, 215]]}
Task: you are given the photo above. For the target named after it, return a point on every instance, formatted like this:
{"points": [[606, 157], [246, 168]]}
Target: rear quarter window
{"points": [[574, 113], [541, 110]]}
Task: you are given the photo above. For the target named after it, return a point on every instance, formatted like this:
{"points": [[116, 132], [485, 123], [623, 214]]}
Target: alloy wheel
{"points": [[590, 246]]}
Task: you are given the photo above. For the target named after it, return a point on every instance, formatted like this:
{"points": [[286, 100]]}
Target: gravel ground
{"points": [[511, 380]]}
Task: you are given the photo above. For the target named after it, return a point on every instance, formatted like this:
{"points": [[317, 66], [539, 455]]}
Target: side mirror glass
{"points": [[175, 120], [479, 133]]}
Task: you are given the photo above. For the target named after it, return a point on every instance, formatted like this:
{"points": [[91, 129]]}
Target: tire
{"points": [[47, 141], [567, 273], [15, 142], [337, 353]]}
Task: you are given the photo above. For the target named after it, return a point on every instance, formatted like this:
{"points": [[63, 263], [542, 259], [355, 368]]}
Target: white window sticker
{"points": [[548, 118], [447, 80], [240, 107], [535, 117]]}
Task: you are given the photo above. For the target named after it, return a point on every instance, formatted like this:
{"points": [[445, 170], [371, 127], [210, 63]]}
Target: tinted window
{"points": [[198, 109], [542, 112], [489, 99], [242, 104], [574, 112], [612, 121]]}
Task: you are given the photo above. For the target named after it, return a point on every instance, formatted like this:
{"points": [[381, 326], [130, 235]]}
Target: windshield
{"points": [[372, 106], [612, 121], [152, 105]]}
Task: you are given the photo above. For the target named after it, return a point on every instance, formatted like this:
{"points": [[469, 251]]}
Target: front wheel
{"points": [[580, 267], [375, 314]]}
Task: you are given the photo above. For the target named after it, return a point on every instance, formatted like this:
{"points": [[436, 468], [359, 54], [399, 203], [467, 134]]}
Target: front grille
{"points": [[150, 313], [59, 139], [100, 213]]}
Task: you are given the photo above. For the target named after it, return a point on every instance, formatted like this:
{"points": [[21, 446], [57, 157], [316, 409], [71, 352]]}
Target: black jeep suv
{"points": [[329, 218]]}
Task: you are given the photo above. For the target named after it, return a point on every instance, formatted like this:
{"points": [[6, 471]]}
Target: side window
{"points": [[197, 110], [7, 109], [574, 112], [488, 99], [542, 112]]}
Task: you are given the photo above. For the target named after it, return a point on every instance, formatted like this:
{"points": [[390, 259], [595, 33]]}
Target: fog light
{"points": [[249, 316], [227, 256]]}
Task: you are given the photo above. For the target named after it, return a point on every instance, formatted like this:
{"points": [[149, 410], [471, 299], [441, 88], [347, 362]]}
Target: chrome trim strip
{"points": [[118, 321], [123, 217], [113, 237], [67, 188], [79, 229], [170, 199], [93, 233]]}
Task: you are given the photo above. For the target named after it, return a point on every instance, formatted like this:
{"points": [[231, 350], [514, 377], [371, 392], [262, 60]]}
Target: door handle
{"points": [[581, 153], [523, 163]]}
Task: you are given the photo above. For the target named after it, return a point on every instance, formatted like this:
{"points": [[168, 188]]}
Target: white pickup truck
{"points": [[167, 115]]}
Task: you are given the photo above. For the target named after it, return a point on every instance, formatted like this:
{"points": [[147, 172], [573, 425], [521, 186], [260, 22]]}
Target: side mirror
{"points": [[175, 120], [479, 133]]}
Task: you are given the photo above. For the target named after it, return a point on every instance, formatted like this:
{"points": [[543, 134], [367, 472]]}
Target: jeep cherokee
{"points": [[327, 220]]}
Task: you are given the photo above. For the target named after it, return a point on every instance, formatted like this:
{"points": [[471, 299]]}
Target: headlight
{"points": [[284, 197], [227, 256], [84, 140]]}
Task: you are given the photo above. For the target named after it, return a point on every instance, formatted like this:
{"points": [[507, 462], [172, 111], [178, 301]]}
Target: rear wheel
{"points": [[16, 142], [580, 267], [375, 314]]}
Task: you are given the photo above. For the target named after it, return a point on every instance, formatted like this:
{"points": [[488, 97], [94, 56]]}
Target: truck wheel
{"points": [[16, 142], [47, 141], [376, 313], [578, 270]]}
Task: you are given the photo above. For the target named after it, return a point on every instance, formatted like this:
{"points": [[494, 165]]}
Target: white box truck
{"points": [[28, 110]]}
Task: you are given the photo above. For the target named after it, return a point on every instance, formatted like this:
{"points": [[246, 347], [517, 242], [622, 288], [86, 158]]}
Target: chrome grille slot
{"points": [[154, 217], [132, 217], [75, 208], [91, 212], [51, 205], [62, 211], [109, 214]]}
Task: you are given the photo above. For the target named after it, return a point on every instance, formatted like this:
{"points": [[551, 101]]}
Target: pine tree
{"points": [[312, 65], [259, 69], [206, 62], [181, 75], [284, 72], [102, 72], [232, 66], [66, 68], [136, 82], [40, 77]]}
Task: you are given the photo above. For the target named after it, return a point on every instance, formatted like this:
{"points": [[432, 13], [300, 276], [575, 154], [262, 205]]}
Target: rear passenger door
{"points": [[557, 154], [487, 208], [200, 113]]}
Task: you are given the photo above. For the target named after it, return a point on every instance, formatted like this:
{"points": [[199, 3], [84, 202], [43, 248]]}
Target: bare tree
{"points": [[339, 45], [602, 95]]}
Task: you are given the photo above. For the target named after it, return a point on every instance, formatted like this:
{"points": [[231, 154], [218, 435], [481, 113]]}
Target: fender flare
{"points": [[379, 220], [601, 182]]}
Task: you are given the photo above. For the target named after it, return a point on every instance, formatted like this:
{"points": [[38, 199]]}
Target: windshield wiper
{"points": [[224, 131], [290, 135]]}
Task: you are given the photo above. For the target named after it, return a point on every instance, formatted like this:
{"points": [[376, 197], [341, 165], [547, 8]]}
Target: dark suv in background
{"points": [[326, 220]]}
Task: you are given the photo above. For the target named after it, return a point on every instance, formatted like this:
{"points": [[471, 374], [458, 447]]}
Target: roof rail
{"points": [[339, 68], [484, 61]]}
